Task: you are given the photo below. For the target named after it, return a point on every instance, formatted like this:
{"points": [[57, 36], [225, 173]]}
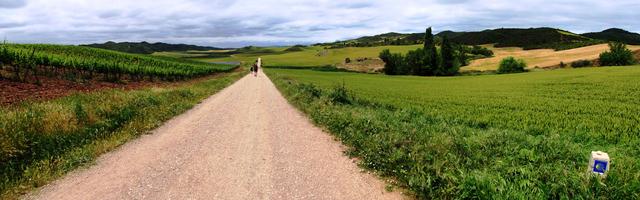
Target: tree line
{"points": [[446, 61], [428, 61], [384, 42]]}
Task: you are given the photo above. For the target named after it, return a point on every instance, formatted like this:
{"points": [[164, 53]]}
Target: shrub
{"points": [[511, 65], [394, 63], [415, 60], [461, 55], [581, 63], [295, 48], [339, 95], [385, 56], [478, 50], [618, 55], [402, 68], [309, 90]]}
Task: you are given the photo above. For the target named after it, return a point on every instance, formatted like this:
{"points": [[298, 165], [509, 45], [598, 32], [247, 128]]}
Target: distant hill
{"points": [[391, 38], [530, 38], [148, 48], [450, 34], [616, 34], [295, 48], [252, 50]]}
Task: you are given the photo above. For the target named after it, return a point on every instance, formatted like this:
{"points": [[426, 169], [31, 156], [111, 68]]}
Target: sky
{"points": [[235, 23]]}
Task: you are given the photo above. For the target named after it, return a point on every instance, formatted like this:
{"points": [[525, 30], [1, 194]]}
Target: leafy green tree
{"points": [[399, 64], [618, 55], [478, 50], [389, 67], [461, 54], [427, 61], [511, 65], [415, 60], [449, 65], [581, 63]]}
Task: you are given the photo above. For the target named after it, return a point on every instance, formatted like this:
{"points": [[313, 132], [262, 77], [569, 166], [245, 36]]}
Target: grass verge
{"points": [[41, 141], [461, 138]]}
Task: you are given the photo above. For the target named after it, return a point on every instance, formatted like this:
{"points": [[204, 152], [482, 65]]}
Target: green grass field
{"points": [[312, 56], [517, 136], [181, 54]]}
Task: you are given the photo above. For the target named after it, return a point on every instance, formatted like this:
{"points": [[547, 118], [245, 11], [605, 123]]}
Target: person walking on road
{"points": [[256, 66], [254, 69]]}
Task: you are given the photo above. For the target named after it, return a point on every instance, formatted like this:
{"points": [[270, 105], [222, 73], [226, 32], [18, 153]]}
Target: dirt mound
{"points": [[367, 65]]}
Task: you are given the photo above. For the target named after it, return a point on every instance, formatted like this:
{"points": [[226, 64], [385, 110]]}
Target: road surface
{"points": [[246, 142]]}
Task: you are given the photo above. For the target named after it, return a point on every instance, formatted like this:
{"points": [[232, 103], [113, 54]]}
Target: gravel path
{"points": [[246, 142]]}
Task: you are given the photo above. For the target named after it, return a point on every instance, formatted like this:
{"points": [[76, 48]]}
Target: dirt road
{"points": [[246, 142]]}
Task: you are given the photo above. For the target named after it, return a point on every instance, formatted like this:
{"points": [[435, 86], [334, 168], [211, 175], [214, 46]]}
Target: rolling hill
{"points": [[149, 48], [616, 34], [391, 38], [532, 38], [529, 38]]}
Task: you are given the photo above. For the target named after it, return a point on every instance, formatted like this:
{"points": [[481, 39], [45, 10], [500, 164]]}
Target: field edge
{"points": [[370, 129], [157, 105]]}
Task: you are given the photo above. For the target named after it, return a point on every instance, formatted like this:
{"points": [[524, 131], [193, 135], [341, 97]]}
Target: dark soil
{"points": [[49, 88]]}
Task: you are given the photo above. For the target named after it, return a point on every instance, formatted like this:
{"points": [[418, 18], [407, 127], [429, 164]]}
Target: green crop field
{"points": [[312, 56], [41, 59], [42, 140], [516, 136]]}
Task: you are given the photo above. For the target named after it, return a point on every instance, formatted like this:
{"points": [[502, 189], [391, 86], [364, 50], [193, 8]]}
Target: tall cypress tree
{"points": [[431, 54], [428, 39]]}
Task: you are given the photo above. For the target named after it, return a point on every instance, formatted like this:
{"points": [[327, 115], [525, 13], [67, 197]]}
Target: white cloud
{"points": [[12, 3], [269, 22]]}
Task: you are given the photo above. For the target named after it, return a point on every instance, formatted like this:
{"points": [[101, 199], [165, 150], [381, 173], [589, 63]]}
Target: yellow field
{"points": [[539, 57]]}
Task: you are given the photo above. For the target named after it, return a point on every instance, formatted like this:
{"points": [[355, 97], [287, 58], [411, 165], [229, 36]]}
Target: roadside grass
{"points": [[41, 141], [313, 56], [514, 136]]}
